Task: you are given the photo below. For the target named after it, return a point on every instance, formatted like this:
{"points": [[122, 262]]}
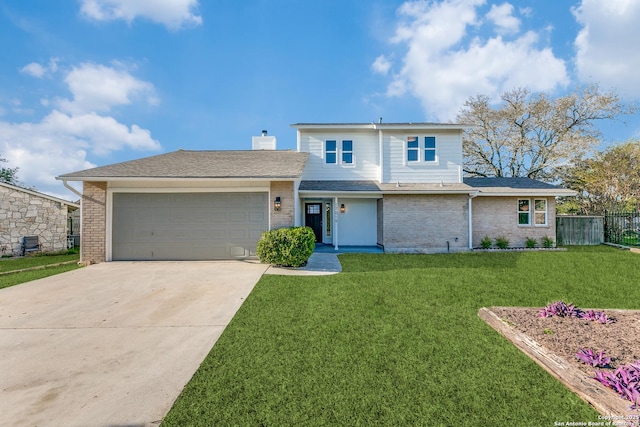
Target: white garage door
{"points": [[187, 226]]}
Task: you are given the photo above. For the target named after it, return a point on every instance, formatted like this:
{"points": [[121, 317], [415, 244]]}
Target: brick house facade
{"points": [[396, 185]]}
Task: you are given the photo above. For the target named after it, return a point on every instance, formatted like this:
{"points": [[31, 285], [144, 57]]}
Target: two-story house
{"points": [[395, 185]]}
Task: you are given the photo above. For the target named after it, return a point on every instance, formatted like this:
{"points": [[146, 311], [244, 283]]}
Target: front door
{"points": [[313, 219]]}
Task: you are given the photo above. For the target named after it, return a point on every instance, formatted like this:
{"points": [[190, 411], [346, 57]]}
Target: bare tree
{"points": [[529, 135]]}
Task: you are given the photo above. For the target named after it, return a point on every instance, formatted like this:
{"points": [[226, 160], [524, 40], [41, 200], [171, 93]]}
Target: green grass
{"points": [[396, 340], [12, 264], [27, 276]]}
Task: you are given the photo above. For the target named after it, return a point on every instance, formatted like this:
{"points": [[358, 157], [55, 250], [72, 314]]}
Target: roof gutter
{"points": [[70, 188]]}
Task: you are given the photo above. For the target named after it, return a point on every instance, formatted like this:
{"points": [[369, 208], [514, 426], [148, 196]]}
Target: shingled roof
{"points": [[375, 187], [477, 186], [265, 164], [515, 186]]}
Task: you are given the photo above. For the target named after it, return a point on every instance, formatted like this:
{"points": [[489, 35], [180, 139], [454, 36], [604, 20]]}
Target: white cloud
{"points": [[443, 65], [97, 88], [606, 46], [381, 65], [60, 143], [502, 17], [37, 70], [174, 14], [33, 69], [65, 139]]}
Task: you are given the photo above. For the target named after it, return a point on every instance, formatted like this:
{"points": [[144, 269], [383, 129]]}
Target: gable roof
{"points": [[266, 164], [516, 186], [39, 194]]}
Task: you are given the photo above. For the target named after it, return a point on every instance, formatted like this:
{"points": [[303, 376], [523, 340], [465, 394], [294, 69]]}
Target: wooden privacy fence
{"points": [[579, 230]]}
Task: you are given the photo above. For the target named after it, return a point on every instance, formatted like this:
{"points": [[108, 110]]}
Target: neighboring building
{"points": [[397, 185], [25, 212]]}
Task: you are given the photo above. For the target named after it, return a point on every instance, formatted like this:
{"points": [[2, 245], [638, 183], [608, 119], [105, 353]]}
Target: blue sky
{"points": [[85, 83]]}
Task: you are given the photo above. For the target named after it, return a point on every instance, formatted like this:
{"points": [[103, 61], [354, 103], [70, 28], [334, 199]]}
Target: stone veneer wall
{"points": [[285, 217], [498, 216], [425, 223], [94, 218], [25, 214]]}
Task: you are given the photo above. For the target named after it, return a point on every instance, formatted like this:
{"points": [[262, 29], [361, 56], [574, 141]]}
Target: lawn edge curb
{"points": [[604, 400], [39, 267]]}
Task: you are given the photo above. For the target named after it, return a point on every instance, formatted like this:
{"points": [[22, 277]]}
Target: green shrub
{"points": [[547, 242], [531, 242], [502, 242], [287, 247], [485, 243]]}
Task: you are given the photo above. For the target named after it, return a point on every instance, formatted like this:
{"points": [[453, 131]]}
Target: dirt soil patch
{"points": [[561, 338]]}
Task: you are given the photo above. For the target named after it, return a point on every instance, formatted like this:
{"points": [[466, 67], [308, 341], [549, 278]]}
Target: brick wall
{"points": [[94, 217], [25, 214], [498, 216], [285, 217], [425, 223]]}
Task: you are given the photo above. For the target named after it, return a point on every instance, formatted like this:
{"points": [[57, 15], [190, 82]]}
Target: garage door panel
{"points": [[187, 226]]}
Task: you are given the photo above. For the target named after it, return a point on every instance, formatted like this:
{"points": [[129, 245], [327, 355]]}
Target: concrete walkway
{"points": [[112, 344], [318, 264]]}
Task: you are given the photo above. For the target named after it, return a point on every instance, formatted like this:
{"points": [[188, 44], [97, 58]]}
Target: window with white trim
{"points": [[540, 212], [524, 212], [429, 148], [330, 152], [347, 152], [532, 213], [413, 149], [425, 153]]}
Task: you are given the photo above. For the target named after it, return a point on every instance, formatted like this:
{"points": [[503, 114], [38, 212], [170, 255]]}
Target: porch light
{"points": [[277, 204], [342, 209]]}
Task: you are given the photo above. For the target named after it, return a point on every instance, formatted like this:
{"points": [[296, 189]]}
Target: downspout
{"points": [[336, 212], [380, 156], [79, 194], [73, 190], [471, 196]]}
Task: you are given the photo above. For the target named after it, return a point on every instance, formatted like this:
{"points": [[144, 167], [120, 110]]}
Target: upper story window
{"points": [[330, 152], [412, 149], [343, 151], [425, 153], [429, 148], [347, 152]]}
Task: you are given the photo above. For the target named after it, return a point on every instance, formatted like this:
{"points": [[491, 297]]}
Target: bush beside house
{"points": [[286, 247]]}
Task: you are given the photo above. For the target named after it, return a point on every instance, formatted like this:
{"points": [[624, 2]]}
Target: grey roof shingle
{"points": [[270, 164], [504, 182], [515, 185], [373, 186], [483, 186]]}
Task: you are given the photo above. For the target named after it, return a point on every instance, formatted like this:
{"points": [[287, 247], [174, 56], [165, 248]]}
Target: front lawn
{"points": [[14, 264], [396, 340]]}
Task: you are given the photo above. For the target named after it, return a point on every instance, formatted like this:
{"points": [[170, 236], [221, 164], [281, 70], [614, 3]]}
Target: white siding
{"points": [[365, 154], [448, 167], [358, 225]]}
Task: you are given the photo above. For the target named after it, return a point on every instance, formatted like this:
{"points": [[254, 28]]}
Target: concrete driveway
{"points": [[112, 344]]}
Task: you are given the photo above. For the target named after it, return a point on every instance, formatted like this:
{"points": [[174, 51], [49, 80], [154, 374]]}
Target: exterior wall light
{"points": [[342, 208], [277, 204]]}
